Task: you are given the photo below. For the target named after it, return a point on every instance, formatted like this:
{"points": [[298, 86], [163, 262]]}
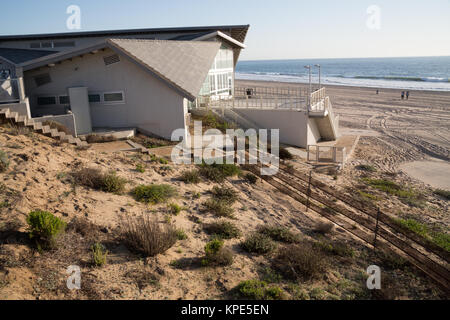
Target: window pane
{"points": [[43, 101], [64, 100], [113, 97], [94, 98]]}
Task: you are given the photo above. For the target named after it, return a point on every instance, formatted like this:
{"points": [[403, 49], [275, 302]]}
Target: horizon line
{"points": [[384, 57]]}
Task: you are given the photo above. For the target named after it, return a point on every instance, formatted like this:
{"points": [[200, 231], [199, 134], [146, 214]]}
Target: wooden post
{"points": [[376, 228]]}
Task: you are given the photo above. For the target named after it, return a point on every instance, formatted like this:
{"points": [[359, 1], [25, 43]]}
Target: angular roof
{"points": [[183, 64], [238, 32], [17, 56]]}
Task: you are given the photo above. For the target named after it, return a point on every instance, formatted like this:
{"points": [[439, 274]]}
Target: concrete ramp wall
{"points": [[293, 125]]}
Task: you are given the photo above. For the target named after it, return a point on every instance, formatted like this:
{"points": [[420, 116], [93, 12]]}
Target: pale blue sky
{"points": [[283, 29]]}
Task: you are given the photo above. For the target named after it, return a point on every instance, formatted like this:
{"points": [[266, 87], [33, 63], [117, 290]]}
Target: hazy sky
{"points": [[282, 29]]}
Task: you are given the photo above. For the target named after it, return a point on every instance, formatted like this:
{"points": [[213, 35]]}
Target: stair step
{"points": [[37, 126], [22, 119], [46, 129]]}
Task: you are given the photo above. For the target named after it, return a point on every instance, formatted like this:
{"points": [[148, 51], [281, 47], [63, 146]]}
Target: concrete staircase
{"points": [[327, 123], [231, 115], [23, 120]]}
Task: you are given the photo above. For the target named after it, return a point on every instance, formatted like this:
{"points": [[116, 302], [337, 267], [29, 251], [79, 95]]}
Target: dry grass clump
{"points": [[258, 243], [56, 125], [145, 235], [300, 261], [218, 172], [216, 254], [324, 227], [225, 194], [190, 176], [154, 193], [96, 179], [94, 138], [4, 161], [219, 208], [285, 154], [278, 234], [223, 230], [99, 254]]}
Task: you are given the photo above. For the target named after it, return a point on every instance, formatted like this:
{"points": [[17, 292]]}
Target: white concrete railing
{"points": [[318, 96], [258, 97], [9, 91]]}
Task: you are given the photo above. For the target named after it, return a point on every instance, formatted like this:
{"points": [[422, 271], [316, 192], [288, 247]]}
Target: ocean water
{"points": [[412, 73]]}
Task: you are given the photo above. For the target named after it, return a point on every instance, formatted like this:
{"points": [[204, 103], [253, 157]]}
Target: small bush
{"points": [[94, 178], [258, 243], [366, 167], [228, 195], [278, 234], [190, 176], [324, 227], [251, 178], [259, 290], [140, 168], [216, 254], [99, 254], [285, 154], [336, 248], [154, 193], [300, 261], [181, 234], [218, 172], [4, 161], [147, 236], [219, 208], [223, 230], [94, 138], [174, 209], [443, 193], [44, 227]]}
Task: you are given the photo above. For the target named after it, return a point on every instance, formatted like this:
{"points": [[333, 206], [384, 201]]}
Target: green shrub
{"points": [[174, 208], [219, 208], [366, 167], [94, 178], [140, 168], [147, 236], [228, 195], [44, 227], [439, 238], [154, 193], [4, 161], [181, 234], [258, 243], [285, 154], [223, 230], [190, 176], [443, 193], [99, 254], [259, 290], [278, 234], [251, 178], [218, 172], [216, 254], [409, 196], [300, 261], [336, 248]]}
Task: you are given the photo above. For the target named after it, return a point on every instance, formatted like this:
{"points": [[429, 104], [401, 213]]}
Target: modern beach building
{"points": [[148, 79]]}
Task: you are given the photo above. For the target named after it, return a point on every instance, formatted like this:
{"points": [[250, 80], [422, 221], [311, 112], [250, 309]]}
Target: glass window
{"points": [[113, 97], [64, 100], [45, 101], [47, 45], [94, 97]]}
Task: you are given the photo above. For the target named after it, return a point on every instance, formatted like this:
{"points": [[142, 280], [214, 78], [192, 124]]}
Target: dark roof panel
{"points": [[22, 55], [237, 31]]}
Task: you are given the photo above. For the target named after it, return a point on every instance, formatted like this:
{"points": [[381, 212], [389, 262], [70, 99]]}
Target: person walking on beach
{"points": [[403, 95], [407, 95], [377, 91]]}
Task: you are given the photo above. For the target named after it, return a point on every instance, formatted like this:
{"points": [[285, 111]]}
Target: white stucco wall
{"points": [[150, 104], [293, 125]]}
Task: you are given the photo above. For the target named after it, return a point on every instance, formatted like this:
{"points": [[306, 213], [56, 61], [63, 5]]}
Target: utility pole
{"points": [[318, 66], [309, 91]]}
